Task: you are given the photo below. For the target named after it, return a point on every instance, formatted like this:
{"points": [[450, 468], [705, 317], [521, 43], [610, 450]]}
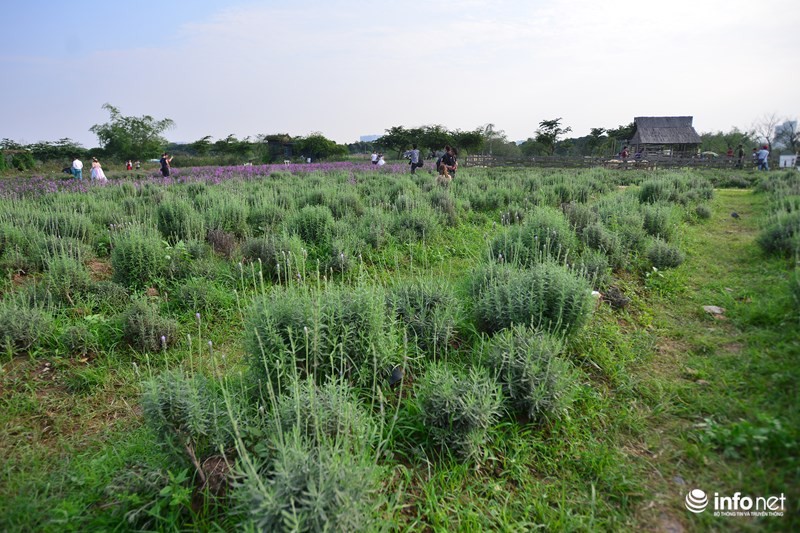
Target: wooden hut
{"points": [[665, 136]]}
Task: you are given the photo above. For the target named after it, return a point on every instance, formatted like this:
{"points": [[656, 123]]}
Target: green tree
{"points": [[317, 147], [126, 137], [202, 146], [720, 141], [469, 141], [548, 133], [397, 138], [58, 150]]}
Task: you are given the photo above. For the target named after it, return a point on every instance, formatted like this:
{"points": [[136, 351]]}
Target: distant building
{"points": [[369, 138], [670, 136]]}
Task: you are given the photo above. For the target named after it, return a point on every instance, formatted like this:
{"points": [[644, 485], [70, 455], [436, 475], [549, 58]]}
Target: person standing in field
{"points": [[97, 172], [763, 157], [138, 165], [129, 165], [77, 169], [374, 157], [380, 161], [165, 161], [740, 156], [413, 156]]}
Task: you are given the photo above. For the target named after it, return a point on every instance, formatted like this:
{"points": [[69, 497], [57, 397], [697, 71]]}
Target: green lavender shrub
{"points": [[537, 381], [321, 412], [177, 220], [187, 415], [663, 255], [46, 247], [374, 227], [22, 328], [656, 190], [67, 280], [344, 204], [341, 331], [108, 297], [594, 266], [222, 242], [580, 216], [313, 224], [547, 296], [599, 238], [459, 408], [545, 234], [229, 216], [200, 295], [311, 487], [143, 328], [415, 224], [781, 236], [658, 220], [344, 254], [442, 201], [276, 254], [265, 218], [77, 340], [138, 258], [702, 211], [429, 312]]}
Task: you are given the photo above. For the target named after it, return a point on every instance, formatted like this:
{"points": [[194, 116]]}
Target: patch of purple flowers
{"points": [[18, 187]]}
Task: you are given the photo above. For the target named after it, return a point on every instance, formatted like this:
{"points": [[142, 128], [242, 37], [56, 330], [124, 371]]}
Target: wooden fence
{"points": [[608, 162]]}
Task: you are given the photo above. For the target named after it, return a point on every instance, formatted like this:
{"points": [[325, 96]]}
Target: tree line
{"points": [[125, 137]]}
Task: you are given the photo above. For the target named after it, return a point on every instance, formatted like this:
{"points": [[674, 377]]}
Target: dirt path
{"points": [[697, 362]]}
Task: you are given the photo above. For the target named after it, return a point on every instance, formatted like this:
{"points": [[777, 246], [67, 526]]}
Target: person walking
{"points": [[165, 161], [414, 158], [77, 169], [763, 158]]}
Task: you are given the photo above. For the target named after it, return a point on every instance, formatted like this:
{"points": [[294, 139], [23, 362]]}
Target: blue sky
{"points": [[348, 68]]}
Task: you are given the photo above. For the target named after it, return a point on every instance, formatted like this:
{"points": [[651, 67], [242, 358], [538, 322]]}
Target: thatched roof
{"points": [[664, 130]]}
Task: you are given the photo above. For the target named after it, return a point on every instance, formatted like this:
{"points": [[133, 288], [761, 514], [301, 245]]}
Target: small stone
{"points": [[713, 309], [397, 375], [679, 480]]}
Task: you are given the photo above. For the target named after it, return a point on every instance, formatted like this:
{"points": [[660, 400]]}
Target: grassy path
{"points": [[722, 391]]}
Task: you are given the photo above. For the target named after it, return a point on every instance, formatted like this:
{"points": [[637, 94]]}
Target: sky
{"points": [[347, 68]]}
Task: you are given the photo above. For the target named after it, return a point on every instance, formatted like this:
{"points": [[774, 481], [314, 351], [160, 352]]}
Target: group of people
{"points": [[377, 159], [446, 164], [96, 174]]}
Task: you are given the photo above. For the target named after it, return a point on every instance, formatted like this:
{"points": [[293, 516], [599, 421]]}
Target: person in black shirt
{"points": [[165, 160]]}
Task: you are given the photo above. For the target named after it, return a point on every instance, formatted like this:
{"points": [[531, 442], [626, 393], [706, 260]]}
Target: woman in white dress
{"points": [[97, 171]]}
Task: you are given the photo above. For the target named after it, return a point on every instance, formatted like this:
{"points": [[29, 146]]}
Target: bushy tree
{"points": [[131, 137], [549, 132], [317, 146]]}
